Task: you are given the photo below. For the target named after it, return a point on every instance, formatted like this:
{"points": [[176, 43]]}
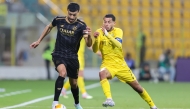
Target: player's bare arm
{"points": [[46, 31], [87, 37], [98, 52], [95, 46], [114, 41]]}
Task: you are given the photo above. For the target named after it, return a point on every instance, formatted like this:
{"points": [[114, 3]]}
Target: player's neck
{"points": [[111, 29], [69, 21]]}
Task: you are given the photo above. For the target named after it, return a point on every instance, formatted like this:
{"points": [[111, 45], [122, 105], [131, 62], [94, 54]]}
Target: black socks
{"points": [[75, 94], [58, 87]]}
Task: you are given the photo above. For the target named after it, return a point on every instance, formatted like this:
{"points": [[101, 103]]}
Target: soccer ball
{"points": [[60, 106]]}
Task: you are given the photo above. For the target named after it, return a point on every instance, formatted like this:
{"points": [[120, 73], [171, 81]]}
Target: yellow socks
{"points": [[144, 95], [106, 88], [66, 85], [81, 84]]}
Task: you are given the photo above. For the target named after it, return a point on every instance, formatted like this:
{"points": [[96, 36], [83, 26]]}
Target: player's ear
{"points": [[114, 22]]}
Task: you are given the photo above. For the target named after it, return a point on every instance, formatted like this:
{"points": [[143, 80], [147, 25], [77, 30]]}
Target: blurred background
{"points": [[156, 34]]}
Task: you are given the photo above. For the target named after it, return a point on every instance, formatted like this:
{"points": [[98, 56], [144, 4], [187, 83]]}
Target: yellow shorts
{"points": [[121, 71]]}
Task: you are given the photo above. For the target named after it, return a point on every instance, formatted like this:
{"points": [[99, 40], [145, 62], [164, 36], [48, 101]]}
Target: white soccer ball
{"points": [[60, 106]]}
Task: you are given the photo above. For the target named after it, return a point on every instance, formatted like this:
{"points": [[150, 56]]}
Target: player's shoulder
{"points": [[60, 17], [81, 22], [117, 29]]}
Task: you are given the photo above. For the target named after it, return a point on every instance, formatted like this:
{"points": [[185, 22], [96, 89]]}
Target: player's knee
{"points": [[74, 84], [102, 74], [62, 73]]}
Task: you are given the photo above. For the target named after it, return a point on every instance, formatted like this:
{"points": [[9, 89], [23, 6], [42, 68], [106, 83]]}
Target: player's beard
{"points": [[71, 20], [110, 29]]}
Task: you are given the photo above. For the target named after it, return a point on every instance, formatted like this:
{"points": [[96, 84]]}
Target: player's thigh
{"points": [[108, 71], [73, 68], [62, 70], [60, 66], [125, 75]]}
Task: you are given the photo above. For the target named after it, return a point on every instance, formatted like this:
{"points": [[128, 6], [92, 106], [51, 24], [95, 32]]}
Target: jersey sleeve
{"points": [[83, 28], [119, 35], [116, 41], [54, 22]]}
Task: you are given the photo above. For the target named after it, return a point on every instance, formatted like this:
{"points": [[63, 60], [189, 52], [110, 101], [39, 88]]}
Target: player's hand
{"points": [[96, 34], [35, 44], [105, 31], [86, 32], [89, 30]]}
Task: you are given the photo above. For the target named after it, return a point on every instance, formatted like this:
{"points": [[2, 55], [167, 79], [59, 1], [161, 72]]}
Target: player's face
{"points": [[72, 16], [108, 23]]}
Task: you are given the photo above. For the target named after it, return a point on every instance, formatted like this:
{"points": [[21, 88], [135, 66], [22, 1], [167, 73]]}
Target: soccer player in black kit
{"points": [[70, 32]]}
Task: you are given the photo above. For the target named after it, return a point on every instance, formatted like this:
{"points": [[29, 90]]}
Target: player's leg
{"points": [[126, 75], [72, 73], [104, 75], [59, 83], [65, 88], [75, 92], [143, 93], [81, 85]]}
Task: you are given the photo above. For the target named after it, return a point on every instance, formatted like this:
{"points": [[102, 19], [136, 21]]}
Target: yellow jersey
{"points": [[110, 52], [81, 54]]}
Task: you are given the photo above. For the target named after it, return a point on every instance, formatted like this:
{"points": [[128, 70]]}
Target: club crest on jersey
{"points": [[74, 28]]}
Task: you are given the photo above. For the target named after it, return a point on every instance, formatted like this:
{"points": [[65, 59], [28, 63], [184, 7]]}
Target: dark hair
{"points": [[110, 16], [73, 7]]}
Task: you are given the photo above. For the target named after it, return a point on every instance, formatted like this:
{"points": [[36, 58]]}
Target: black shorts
{"points": [[72, 65]]}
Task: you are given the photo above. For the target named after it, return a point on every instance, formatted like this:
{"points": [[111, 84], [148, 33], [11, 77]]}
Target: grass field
{"points": [[39, 94]]}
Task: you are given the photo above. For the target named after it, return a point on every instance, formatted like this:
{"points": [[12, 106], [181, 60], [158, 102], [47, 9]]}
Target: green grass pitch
{"points": [[165, 95]]}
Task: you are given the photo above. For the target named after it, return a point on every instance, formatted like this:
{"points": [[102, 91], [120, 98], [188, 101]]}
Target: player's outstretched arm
{"points": [[46, 31], [114, 41], [87, 37], [95, 46]]}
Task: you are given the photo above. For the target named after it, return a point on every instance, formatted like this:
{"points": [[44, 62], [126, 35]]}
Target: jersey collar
{"points": [[69, 22]]}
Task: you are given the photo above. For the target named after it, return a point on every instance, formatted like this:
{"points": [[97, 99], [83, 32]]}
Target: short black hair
{"points": [[73, 7], [110, 16]]}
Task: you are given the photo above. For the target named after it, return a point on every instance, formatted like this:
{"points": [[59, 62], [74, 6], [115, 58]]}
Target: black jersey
{"points": [[69, 36]]}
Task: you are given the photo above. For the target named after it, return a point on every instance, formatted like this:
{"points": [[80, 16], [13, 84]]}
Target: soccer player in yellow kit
{"points": [[81, 83], [108, 40]]}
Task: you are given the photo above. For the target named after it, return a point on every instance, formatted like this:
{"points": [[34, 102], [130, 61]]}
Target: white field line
{"points": [[15, 93], [34, 107], [45, 98]]}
